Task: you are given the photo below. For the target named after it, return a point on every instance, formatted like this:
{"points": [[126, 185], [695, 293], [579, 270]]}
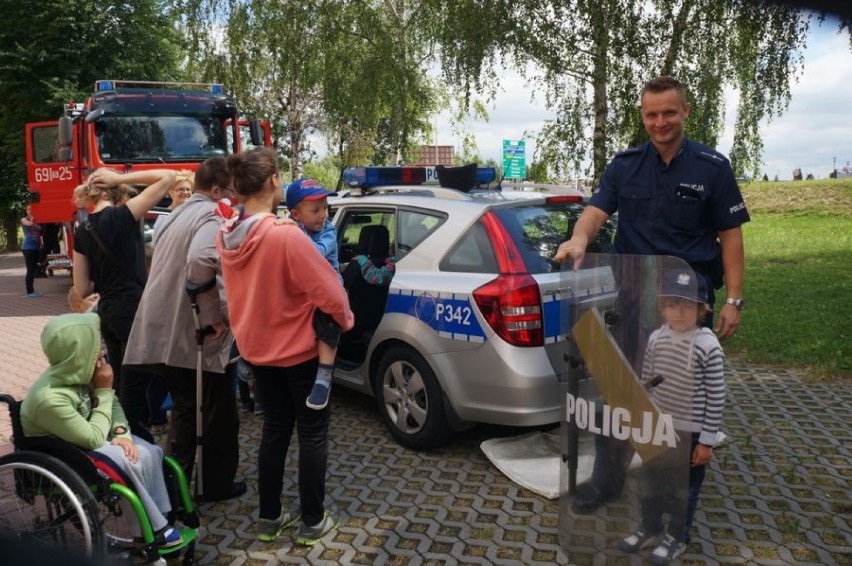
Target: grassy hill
{"points": [[798, 283]]}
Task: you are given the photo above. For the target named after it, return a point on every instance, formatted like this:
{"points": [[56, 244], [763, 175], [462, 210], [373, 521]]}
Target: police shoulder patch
{"points": [[628, 151], [713, 157]]}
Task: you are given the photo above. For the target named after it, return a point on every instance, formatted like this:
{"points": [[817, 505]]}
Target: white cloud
{"points": [[816, 127]]}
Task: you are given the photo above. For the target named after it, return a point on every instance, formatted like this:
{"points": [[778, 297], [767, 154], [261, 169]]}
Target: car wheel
{"points": [[409, 399]]}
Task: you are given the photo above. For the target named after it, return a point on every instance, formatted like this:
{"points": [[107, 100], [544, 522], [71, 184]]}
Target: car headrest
{"points": [[374, 241]]}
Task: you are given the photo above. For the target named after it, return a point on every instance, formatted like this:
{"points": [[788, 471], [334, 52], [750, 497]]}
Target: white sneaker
{"points": [[668, 550]]}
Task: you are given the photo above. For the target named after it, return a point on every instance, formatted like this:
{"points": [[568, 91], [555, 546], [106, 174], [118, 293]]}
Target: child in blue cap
{"points": [[307, 205], [683, 369]]}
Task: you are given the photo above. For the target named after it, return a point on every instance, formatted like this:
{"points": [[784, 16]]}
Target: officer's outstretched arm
{"points": [[585, 230]]}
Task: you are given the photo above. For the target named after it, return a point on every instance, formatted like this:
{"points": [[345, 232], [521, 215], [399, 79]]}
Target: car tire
{"points": [[410, 400]]}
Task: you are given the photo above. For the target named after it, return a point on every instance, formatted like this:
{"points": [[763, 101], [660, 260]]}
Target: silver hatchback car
{"points": [[468, 329]]}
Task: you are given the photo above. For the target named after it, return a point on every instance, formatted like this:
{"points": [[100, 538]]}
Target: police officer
{"points": [[674, 197]]}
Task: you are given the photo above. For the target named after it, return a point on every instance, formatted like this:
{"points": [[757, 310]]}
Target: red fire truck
{"points": [[128, 126]]}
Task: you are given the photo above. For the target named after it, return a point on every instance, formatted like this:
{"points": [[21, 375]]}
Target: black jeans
{"points": [[220, 426], [671, 485], [284, 391], [130, 382], [31, 260]]}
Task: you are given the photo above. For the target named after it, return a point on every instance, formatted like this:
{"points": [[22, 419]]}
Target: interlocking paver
{"points": [[778, 493]]}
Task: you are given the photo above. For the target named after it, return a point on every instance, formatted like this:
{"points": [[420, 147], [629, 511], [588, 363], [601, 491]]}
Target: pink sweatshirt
{"points": [[275, 278]]}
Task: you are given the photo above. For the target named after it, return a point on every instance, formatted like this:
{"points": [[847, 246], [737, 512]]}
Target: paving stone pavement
{"points": [[777, 493]]}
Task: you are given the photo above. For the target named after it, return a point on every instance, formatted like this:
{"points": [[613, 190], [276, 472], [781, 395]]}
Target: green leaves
{"points": [[52, 51]]}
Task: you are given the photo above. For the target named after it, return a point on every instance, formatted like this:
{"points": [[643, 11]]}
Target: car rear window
{"points": [[537, 231]]}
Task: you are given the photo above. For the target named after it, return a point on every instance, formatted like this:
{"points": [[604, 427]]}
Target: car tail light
{"points": [[512, 307], [511, 303]]}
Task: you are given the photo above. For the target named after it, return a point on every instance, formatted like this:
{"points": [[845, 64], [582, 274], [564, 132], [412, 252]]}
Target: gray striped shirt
{"points": [[693, 386]]}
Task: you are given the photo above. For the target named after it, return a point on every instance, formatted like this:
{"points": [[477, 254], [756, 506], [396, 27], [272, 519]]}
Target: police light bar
{"points": [[365, 177], [214, 88]]}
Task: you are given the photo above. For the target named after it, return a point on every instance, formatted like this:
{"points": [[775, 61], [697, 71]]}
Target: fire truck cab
{"points": [[128, 126]]}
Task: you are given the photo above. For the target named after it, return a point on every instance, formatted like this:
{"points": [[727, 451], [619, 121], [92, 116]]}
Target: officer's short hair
{"points": [[662, 84]]}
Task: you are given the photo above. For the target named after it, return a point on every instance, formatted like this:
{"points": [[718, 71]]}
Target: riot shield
{"points": [[627, 425]]}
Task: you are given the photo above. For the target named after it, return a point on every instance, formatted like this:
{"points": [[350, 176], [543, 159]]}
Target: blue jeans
{"points": [[284, 391]]}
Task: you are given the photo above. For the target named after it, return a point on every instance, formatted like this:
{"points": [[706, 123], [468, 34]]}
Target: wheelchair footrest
{"points": [[187, 534]]}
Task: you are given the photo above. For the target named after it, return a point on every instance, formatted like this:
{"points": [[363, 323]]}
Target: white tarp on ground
{"points": [[532, 461]]}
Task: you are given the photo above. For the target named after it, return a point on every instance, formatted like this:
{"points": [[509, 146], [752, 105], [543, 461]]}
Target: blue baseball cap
{"points": [[305, 189], [685, 284]]}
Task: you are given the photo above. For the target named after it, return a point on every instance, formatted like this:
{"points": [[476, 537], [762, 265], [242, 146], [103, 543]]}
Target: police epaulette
{"points": [[628, 151], [716, 158]]}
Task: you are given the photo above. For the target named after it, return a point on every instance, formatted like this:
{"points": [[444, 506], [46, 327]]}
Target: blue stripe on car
{"points": [[451, 315]]}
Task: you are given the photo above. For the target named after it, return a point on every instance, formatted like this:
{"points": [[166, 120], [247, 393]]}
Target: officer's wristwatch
{"points": [[119, 430], [738, 303]]}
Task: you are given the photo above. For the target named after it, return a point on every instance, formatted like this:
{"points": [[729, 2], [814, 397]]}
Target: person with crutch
{"points": [[163, 335]]}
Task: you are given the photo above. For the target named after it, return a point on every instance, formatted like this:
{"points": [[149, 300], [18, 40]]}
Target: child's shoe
{"points": [[669, 550], [169, 537], [318, 399], [638, 540]]}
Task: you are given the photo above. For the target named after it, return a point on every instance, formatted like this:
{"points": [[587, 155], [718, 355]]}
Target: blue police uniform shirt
{"points": [[671, 210]]}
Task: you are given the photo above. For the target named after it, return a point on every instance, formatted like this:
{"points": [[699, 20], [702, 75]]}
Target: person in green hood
{"points": [[73, 400]]}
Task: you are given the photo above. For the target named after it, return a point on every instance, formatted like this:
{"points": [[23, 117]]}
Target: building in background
{"points": [[435, 155]]}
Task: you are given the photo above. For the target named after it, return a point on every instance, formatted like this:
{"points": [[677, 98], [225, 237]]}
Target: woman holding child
{"points": [[276, 279]]}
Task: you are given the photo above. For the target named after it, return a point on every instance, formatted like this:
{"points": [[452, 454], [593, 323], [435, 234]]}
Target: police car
{"points": [[468, 330]]}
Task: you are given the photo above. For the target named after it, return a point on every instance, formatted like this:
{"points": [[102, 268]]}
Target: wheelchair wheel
{"points": [[44, 502]]}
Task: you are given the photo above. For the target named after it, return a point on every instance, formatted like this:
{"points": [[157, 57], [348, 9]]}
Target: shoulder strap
{"points": [[90, 229]]}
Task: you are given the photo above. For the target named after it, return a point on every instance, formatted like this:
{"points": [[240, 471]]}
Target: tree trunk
{"points": [[600, 76], [9, 233], [295, 112], [678, 29]]}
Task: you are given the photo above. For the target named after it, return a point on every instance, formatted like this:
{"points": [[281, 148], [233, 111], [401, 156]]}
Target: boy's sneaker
{"points": [[310, 535], [270, 529], [668, 550], [318, 399], [34, 295], [258, 410], [169, 537], [639, 540], [247, 406]]}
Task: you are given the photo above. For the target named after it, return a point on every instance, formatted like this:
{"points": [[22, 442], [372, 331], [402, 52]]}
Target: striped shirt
{"points": [[693, 385]]}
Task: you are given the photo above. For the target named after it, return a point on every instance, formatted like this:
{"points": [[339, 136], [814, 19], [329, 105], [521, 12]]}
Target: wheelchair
{"points": [[56, 495]]}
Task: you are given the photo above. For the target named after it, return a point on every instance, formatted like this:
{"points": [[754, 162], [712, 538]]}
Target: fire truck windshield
{"points": [[143, 138]]}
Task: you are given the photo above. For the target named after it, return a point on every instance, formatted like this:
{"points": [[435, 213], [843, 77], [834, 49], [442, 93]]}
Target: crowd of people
{"points": [[144, 320], [285, 308]]}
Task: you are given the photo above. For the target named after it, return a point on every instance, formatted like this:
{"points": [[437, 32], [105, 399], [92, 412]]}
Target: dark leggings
{"points": [[284, 391], [31, 258], [220, 426]]}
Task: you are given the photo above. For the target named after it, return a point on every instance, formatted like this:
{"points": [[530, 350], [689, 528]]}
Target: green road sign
{"points": [[514, 159]]}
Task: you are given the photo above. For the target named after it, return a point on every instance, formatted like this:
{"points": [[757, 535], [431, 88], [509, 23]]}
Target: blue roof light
{"points": [[485, 175], [216, 88], [103, 85]]}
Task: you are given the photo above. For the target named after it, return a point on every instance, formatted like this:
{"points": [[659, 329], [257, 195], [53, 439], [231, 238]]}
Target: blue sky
{"points": [[816, 128]]}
